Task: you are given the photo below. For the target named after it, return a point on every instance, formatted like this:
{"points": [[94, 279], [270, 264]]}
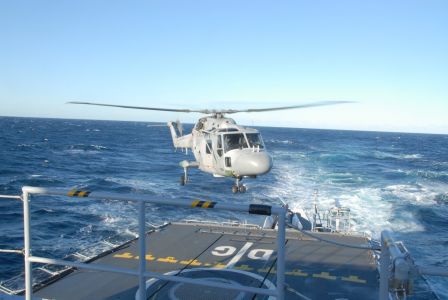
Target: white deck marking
{"points": [[224, 251], [238, 256], [265, 254]]}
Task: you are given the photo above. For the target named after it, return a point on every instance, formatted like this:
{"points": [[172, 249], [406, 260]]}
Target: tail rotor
{"points": [[179, 127]]}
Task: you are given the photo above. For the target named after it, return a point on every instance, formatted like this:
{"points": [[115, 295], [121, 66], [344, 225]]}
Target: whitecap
{"points": [[86, 229], [417, 193], [370, 208], [139, 184], [98, 147], [412, 156], [286, 142], [80, 151], [384, 155], [109, 219]]}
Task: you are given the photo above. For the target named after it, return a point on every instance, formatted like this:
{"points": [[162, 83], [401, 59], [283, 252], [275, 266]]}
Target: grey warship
{"points": [[288, 257]]}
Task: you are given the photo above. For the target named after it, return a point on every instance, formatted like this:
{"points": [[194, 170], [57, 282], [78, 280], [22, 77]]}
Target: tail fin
{"points": [[180, 141]]}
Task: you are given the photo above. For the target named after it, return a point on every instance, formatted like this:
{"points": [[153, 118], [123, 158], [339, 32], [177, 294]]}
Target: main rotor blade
{"points": [[314, 104], [218, 111], [138, 107]]}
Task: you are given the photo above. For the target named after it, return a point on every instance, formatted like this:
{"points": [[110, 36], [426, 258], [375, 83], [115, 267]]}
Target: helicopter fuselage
{"points": [[223, 148]]}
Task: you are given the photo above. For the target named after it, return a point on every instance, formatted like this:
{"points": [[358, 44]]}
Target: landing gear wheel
{"points": [[234, 189], [242, 188], [183, 180]]}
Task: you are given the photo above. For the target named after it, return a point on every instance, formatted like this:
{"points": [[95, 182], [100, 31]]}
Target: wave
{"points": [[284, 142], [338, 156], [153, 185], [442, 198], [85, 149], [416, 193], [139, 184], [373, 208], [371, 212], [26, 145], [33, 180], [386, 155], [427, 174], [99, 147]]}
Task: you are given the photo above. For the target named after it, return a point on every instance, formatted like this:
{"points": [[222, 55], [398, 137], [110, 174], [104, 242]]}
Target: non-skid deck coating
{"points": [[315, 269]]}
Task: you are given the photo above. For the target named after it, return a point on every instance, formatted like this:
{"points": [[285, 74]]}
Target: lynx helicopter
{"points": [[220, 146]]}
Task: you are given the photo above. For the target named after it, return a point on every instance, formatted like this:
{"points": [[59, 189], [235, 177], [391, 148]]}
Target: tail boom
{"points": [[184, 141]]}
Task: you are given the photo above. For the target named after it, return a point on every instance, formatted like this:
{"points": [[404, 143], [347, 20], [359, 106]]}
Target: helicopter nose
{"points": [[252, 163]]}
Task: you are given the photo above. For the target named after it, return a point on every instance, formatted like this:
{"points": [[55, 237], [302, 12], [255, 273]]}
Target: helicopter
{"points": [[220, 146]]}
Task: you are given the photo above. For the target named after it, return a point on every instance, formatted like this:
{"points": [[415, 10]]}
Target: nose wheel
{"points": [[237, 187]]}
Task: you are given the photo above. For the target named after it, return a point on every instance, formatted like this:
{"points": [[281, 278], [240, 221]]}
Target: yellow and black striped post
{"points": [[78, 193], [203, 204]]}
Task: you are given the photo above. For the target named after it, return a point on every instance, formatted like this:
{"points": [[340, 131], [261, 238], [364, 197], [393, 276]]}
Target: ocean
{"points": [[396, 181]]}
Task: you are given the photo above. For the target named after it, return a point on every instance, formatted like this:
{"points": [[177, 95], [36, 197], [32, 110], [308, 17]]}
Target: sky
{"points": [[389, 56]]}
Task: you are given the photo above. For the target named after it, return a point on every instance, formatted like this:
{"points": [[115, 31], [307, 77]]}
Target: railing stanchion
{"points": [[142, 247], [384, 268], [281, 255], [27, 246]]}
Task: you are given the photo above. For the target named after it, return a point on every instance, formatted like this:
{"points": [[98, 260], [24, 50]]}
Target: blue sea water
{"points": [[392, 181]]}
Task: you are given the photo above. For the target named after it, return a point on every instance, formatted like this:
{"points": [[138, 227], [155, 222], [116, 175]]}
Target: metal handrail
{"points": [[396, 266], [141, 273], [11, 197], [11, 251]]}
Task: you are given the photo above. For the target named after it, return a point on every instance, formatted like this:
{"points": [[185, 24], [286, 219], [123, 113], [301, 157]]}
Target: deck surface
{"points": [[228, 254]]}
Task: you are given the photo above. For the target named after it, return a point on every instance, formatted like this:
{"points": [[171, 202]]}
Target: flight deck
{"points": [[243, 255]]}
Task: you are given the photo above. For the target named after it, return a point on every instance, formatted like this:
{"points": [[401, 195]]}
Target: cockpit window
{"points": [[234, 141], [255, 140]]}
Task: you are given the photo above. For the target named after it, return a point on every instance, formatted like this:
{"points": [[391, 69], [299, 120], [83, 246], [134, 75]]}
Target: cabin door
{"points": [[207, 158]]}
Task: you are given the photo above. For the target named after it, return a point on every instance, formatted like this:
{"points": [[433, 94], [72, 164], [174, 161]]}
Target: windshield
{"points": [[234, 141], [255, 140]]}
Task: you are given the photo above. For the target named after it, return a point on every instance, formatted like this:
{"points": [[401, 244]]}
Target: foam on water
{"points": [[430, 174], [383, 155], [414, 194], [373, 208], [286, 142], [371, 213]]}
